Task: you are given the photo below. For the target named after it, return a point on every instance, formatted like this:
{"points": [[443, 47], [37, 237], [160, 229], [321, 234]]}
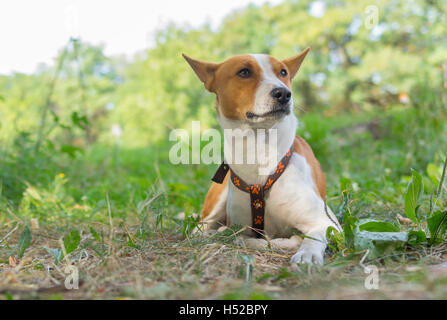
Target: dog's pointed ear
{"points": [[294, 63], [205, 71]]}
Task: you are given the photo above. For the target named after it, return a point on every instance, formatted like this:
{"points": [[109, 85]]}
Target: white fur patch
{"points": [[263, 98]]}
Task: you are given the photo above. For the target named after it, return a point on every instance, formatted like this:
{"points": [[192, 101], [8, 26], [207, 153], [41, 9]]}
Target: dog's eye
{"points": [[283, 73], [244, 73]]}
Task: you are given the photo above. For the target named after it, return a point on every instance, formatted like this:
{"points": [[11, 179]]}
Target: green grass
{"points": [[123, 203]]}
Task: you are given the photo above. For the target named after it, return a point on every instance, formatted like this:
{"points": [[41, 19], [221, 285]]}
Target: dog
{"points": [[253, 92]]}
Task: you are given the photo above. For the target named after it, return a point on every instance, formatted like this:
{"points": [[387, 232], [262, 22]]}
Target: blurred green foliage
{"points": [[352, 67], [371, 102]]}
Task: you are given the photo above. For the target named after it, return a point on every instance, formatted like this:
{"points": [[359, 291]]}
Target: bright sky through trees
{"points": [[32, 32]]}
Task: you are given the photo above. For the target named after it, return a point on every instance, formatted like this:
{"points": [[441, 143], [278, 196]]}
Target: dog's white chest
{"points": [[291, 203]]}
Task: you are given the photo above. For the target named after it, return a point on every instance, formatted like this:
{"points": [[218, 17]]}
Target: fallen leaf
{"points": [[404, 220], [34, 224], [13, 261]]}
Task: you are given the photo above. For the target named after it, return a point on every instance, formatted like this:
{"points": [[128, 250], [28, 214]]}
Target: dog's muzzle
{"points": [[281, 95]]}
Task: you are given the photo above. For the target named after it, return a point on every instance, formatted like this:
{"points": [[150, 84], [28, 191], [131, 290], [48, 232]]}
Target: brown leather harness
{"points": [[256, 191]]}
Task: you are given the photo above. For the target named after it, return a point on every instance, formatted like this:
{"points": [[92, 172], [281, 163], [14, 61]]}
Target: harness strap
{"points": [[256, 191]]}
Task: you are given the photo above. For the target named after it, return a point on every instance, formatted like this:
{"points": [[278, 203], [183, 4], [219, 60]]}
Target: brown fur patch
{"points": [[213, 195], [294, 63], [236, 95], [301, 147], [277, 66]]}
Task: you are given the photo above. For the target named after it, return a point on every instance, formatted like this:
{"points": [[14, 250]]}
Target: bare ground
{"points": [[164, 267]]}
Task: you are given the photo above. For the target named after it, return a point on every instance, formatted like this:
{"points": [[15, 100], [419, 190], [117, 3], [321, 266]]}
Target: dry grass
{"points": [[163, 267]]}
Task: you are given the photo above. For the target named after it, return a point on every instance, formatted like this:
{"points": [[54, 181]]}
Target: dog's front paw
{"points": [[308, 255]]}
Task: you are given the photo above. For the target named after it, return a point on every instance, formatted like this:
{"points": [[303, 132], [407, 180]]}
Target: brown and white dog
{"points": [[253, 91]]}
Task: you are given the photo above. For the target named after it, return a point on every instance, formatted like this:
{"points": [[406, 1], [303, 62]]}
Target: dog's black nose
{"points": [[281, 94]]}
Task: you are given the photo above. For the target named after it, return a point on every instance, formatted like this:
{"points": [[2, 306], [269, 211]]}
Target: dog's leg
{"points": [[214, 214], [313, 246], [287, 244]]}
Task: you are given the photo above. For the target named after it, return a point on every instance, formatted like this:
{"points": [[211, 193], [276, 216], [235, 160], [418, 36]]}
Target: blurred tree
{"points": [[85, 89], [358, 62]]}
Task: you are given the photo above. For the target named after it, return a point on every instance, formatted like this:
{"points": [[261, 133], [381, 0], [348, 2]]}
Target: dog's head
{"points": [[250, 87]]}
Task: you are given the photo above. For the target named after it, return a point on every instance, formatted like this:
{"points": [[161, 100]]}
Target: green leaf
{"points": [[378, 243], [335, 239], [433, 171], [56, 253], [71, 150], [79, 121], [95, 234], [413, 194], [437, 225], [130, 243], [416, 237], [55, 116], [50, 145], [101, 204], [71, 241], [24, 240], [345, 186], [378, 226], [177, 187], [349, 226]]}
